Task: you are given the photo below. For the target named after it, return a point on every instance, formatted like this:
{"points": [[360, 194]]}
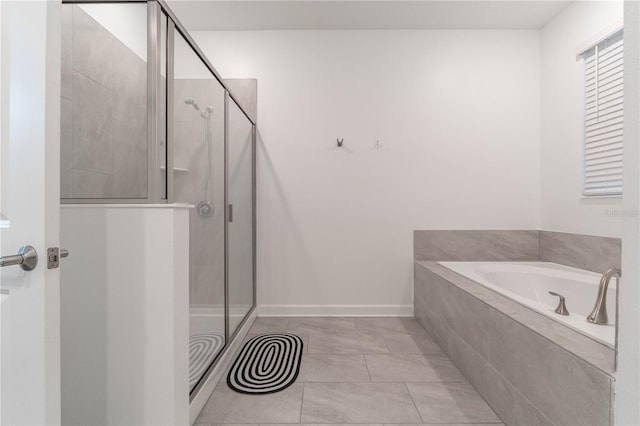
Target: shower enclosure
{"points": [[147, 120]]}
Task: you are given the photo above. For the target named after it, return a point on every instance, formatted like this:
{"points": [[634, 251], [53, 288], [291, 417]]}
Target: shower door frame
{"points": [[175, 25], [156, 11]]}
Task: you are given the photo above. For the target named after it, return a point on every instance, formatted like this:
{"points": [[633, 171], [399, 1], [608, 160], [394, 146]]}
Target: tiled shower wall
{"points": [[104, 112], [207, 261], [206, 240]]}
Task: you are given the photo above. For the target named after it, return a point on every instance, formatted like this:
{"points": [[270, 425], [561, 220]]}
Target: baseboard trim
{"points": [[335, 310], [217, 311]]}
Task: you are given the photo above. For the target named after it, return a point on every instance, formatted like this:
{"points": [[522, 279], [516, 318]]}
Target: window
{"points": [[603, 117]]}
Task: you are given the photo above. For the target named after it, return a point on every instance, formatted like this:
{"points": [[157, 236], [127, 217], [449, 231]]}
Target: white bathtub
{"points": [[529, 283]]}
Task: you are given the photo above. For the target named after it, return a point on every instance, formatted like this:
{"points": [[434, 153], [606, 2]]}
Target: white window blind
{"points": [[603, 117]]}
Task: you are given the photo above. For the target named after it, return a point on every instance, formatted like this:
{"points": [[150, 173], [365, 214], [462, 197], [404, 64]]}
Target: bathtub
{"points": [[528, 283]]}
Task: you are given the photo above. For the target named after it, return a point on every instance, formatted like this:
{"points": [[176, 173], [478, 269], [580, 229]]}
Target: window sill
{"points": [[597, 197]]}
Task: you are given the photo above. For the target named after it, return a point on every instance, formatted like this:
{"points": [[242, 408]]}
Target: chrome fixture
{"points": [[599, 313], [205, 208], [204, 114], [562, 308], [190, 101], [230, 213], [27, 258]]}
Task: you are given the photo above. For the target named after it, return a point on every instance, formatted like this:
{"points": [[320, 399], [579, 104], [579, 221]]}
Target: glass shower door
{"points": [[240, 222], [198, 179]]}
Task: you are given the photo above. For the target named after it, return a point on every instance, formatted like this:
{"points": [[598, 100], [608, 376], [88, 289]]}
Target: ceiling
{"points": [[364, 15]]}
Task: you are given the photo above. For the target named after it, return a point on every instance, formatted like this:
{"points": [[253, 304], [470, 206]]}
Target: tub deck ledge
{"points": [[591, 351]]}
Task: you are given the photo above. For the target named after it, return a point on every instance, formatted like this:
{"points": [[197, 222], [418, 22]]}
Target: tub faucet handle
{"points": [[562, 308]]}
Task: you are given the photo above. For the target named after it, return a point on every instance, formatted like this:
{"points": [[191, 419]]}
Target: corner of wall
{"points": [[627, 391]]}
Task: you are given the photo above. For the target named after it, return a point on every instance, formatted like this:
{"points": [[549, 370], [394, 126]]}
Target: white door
{"points": [[29, 202]]}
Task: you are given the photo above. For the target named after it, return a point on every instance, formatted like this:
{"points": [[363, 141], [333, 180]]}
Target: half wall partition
{"points": [[146, 119]]}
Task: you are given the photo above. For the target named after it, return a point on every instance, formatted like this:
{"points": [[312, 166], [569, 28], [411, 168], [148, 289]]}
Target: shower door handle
{"points": [[230, 213]]}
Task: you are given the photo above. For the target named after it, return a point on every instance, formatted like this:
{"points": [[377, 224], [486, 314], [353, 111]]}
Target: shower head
{"points": [[190, 101]]}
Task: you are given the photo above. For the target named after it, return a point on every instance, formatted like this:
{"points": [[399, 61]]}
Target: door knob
{"points": [[27, 258]]}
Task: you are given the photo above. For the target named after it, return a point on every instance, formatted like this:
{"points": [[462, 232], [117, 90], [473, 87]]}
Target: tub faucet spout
{"points": [[599, 313]]}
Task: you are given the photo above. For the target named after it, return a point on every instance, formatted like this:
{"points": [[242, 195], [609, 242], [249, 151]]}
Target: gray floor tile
{"points": [[333, 368], [443, 424], [389, 325], [224, 424], [228, 406], [333, 385], [346, 344], [305, 342], [269, 325], [321, 325], [304, 337], [450, 403], [411, 344], [412, 368], [357, 403]]}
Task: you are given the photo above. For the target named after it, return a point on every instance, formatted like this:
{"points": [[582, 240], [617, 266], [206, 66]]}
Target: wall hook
{"points": [[340, 142]]}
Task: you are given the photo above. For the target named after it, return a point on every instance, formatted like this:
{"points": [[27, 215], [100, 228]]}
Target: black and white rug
{"points": [[202, 350], [267, 363]]}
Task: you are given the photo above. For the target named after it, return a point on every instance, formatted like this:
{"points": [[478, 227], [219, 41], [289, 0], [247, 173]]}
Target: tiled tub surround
{"points": [[103, 112], [581, 251], [475, 245], [591, 253], [530, 284], [529, 368]]}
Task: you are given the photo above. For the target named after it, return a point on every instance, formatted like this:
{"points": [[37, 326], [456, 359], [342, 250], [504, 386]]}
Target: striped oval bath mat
{"points": [[267, 363], [202, 350]]}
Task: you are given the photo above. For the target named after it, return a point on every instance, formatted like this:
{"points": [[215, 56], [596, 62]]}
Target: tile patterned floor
{"points": [[357, 371]]}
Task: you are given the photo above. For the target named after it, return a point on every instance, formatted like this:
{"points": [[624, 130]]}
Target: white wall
{"points": [[627, 411], [458, 117], [562, 207], [127, 22]]}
